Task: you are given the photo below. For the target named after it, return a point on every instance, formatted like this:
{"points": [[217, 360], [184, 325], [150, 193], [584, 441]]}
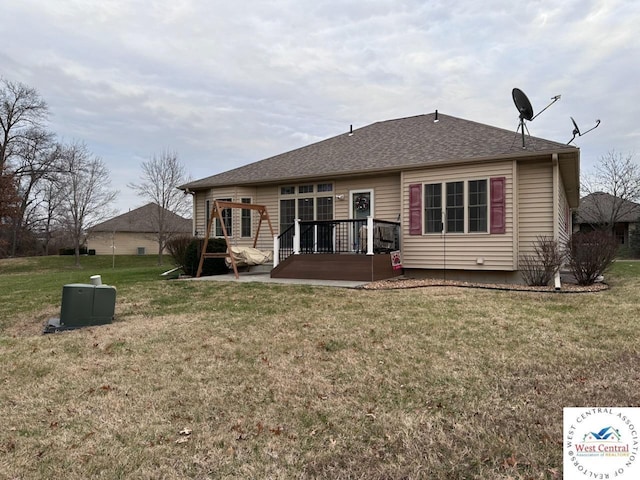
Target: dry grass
{"points": [[298, 382]]}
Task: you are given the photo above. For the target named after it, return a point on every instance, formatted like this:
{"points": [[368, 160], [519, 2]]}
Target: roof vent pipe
{"points": [[436, 120], [350, 130]]}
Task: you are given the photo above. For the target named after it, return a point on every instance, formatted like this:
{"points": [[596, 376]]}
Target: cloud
{"points": [[226, 83]]}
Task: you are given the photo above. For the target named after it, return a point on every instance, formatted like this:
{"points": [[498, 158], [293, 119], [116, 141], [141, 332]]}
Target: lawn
{"points": [[223, 380]]}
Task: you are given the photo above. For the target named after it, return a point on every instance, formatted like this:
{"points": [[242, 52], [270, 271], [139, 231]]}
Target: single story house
{"points": [[457, 198], [600, 210], [135, 232]]}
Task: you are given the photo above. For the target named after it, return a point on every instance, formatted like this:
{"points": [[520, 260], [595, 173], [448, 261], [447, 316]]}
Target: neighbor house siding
{"points": [[535, 203], [460, 251], [125, 243]]}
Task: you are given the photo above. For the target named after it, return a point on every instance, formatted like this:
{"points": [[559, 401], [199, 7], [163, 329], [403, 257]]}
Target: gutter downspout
{"points": [[556, 199]]}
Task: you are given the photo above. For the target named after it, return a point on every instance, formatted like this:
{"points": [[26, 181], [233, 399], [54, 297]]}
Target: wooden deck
{"points": [[328, 266]]}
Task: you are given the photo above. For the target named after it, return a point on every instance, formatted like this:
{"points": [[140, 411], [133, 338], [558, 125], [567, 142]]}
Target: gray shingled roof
{"points": [[598, 207], [141, 220], [383, 146]]}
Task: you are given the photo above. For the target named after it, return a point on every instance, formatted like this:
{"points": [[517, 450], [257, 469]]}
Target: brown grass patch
{"points": [[299, 382]]}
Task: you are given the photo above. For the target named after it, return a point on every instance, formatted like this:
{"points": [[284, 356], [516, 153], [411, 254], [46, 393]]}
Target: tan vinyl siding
{"points": [[266, 196], [535, 203], [459, 251], [126, 243], [564, 216], [386, 196], [201, 198]]}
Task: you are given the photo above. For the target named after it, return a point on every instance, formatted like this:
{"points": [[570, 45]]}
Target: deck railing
{"points": [[364, 236]]}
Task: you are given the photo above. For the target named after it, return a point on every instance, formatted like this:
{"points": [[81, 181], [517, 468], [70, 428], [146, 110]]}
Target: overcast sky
{"points": [[226, 83]]}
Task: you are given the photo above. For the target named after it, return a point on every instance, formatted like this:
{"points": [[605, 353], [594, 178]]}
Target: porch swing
{"points": [[216, 212]]}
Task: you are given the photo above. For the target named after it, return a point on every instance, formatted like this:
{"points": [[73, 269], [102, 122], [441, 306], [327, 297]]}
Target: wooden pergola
{"points": [[216, 212]]}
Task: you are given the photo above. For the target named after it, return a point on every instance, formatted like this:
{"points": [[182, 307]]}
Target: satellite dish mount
{"points": [[526, 110], [576, 130]]}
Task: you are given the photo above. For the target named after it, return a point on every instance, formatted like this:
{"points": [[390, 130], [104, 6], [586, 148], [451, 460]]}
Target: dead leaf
{"points": [[555, 473], [182, 440], [510, 461]]}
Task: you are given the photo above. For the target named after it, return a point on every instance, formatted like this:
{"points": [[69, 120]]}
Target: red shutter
{"points": [[415, 209], [498, 213]]}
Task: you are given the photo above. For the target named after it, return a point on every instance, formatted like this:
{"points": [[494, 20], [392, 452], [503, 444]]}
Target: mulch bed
{"points": [[400, 282]]}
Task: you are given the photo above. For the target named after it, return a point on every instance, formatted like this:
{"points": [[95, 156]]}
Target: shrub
{"points": [[211, 266], [539, 267], [177, 248], [72, 251], [590, 254]]}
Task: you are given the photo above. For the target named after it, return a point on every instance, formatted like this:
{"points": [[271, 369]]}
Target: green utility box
{"points": [[84, 305]]}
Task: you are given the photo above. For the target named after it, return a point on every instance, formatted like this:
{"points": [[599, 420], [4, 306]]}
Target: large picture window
{"points": [[464, 206]]}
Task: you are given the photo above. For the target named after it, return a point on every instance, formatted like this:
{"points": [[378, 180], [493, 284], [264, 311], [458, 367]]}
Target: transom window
{"points": [[306, 202], [464, 207]]}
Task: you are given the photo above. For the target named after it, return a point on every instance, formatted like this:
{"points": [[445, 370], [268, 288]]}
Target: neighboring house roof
{"points": [[390, 145], [144, 220], [599, 208]]}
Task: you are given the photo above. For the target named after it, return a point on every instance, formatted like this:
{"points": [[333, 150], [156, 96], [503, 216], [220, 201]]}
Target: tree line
{"points": [[52, 192]]}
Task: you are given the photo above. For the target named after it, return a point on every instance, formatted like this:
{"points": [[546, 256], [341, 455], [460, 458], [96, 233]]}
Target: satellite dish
{"points": [[522, 104], [576, 129], [526, 110]]}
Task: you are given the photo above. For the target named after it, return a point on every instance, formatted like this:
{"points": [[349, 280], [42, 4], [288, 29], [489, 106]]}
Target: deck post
{"points": [[315, 238], [369, 235], [276, 251], [296, 237]]}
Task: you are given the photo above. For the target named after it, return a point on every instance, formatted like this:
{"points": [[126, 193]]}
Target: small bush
{"points": [[177, 248], [590, 254], [72, 251], [211, 266], [538, 268]]}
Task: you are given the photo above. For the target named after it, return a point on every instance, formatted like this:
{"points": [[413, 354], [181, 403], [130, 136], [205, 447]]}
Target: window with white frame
{"points": [[464, 207], [477, 206], [245, 219], [226, 218], [307, 202]]}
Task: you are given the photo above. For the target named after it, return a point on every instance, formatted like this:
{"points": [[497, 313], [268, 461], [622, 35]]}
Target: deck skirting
{"points": [[328, 266]]}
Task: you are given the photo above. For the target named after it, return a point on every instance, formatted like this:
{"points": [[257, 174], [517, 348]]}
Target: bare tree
{"points": [[86, 192], [611, 191], [9, 207], [51, 208], [35, 158], [160, 178], [21, 108]]}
